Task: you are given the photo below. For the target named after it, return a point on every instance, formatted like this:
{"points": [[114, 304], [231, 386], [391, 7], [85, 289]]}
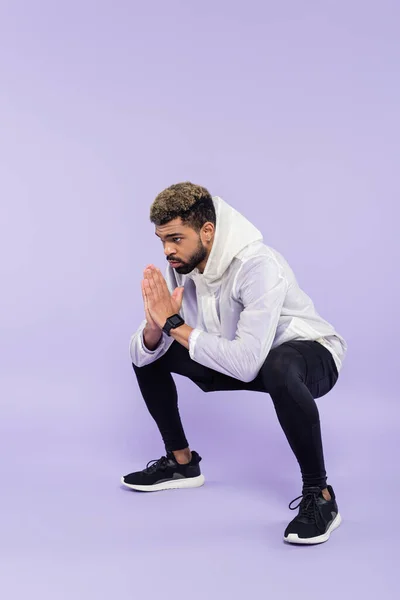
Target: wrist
{"points": [[152, 328], [182, 335], [151, 337], [172, 322]]}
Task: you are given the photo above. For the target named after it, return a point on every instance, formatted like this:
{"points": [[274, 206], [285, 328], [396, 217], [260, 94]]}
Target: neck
{"points": [[202, 265]]}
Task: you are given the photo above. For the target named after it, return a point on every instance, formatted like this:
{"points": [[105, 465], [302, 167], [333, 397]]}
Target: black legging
{"points": [[293, 374]]}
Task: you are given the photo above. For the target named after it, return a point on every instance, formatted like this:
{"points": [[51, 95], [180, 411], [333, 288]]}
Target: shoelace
{"points": [[309, 508], [159, 463]]}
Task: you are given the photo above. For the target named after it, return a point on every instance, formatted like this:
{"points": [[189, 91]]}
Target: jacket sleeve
{"points": [[261, 288], [142, 356]]}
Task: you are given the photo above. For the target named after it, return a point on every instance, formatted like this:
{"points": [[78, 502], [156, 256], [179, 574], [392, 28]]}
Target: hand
{"points": [[151, 324], [159, 303]]}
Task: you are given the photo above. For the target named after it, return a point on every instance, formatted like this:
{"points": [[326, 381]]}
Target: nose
{"points": [[169, 249]]}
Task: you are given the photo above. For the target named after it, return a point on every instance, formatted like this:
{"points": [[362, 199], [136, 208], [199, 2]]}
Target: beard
{"points": [[197, 257]]}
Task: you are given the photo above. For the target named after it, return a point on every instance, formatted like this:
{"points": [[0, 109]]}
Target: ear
{"points": [[208, 232]]}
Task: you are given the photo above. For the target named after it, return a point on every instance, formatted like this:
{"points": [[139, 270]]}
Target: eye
{"points": [[176, 240]]}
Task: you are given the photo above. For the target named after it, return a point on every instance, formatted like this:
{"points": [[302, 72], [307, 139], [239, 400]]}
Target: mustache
{"points": [[174, 260]]}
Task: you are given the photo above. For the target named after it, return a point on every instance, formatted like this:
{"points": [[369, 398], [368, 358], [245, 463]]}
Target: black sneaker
{"points": [[166, 474], [316, 520]]}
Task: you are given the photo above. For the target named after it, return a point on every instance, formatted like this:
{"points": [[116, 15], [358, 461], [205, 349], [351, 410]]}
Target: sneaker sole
{"points": [[293, 538], [173, 484]]}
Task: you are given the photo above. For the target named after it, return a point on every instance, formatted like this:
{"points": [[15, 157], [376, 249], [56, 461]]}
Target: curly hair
{"points": [[192, 203]]}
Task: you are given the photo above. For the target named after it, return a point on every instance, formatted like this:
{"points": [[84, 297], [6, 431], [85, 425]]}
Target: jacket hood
{"points": [[233, 233]]}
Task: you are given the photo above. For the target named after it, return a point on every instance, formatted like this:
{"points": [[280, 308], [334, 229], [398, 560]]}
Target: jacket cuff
{"points": [[145, 349], [194, 334]]}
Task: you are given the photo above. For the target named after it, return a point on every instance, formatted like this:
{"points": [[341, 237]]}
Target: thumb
{"points": [[177, 294]]}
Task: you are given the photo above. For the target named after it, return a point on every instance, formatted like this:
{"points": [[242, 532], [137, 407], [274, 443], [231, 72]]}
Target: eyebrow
{"points": [[171, 235]]}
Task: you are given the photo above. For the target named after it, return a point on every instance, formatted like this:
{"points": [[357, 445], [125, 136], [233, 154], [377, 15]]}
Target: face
{"points": [[185, 246]]}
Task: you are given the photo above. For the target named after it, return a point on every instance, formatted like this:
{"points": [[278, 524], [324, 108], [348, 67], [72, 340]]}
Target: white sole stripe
{"points": [[173, 484]]}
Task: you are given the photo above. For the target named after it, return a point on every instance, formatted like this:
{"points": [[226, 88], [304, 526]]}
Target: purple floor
{"points": [[69, 530]]}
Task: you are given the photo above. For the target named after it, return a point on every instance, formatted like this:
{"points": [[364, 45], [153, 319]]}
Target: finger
{"points": [[142, 288], [159, 273], [144, 294], [151, 296], [178, 295], [161, 283], [154, 279], [146, 304], [145, 287], [175, 293], [151, 287], [158, 280]]}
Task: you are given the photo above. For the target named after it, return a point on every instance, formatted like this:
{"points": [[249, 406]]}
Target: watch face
{"points": [[175, 320]]}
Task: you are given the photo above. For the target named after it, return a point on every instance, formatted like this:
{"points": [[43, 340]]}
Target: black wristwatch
{"points": [[172, 323]]}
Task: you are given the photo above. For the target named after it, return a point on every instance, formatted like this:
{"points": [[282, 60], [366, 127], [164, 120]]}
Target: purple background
{"points": [[289, 111]]}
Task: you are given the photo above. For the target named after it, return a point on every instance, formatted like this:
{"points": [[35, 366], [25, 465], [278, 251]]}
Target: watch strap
{"points": [[172, 322]]}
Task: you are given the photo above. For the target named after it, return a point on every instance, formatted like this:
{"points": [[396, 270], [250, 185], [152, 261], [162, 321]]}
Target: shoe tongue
{"points": [[312, 490]]}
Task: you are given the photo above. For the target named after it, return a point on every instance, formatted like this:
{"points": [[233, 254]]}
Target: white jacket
{"points": [[245, 303]]}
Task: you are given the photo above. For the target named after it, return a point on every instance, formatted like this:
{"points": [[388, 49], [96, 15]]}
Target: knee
{"points": [[274, 367], [277, 371], [144, 370], [152, 369]]}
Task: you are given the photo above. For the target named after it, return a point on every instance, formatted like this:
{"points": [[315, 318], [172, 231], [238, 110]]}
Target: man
{"points": [[231, 316]]}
